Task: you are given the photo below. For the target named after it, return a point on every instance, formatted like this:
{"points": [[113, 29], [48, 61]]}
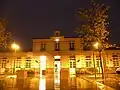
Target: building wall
{"points": [[9, 58], [64, 44], [82, 59]]}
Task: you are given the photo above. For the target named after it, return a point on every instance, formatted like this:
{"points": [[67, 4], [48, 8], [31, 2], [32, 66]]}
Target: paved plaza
{"points": [[80, 82]]}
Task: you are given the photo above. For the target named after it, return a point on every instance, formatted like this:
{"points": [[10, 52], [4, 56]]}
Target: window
{"points": [[4, 61], [72, 46], [18, 62], [72, 62], [97, 61], [43, 45], [28, 63], [115, 60], [88, 61], [57, 46]]}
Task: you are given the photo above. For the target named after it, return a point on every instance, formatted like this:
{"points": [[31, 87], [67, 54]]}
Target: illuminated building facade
{"points": [[58, 54]]}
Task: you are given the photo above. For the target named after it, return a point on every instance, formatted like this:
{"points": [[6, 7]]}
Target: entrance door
{"points": [[42, 65], [57, 67], [72, 65], [57, 72]]}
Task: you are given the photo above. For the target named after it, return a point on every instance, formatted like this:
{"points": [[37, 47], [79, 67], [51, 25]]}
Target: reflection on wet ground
{"points": [[110, 80], [47, 83]]}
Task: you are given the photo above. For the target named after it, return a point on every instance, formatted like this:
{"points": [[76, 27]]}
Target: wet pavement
{"points": [[47, 83], [110, 80]]}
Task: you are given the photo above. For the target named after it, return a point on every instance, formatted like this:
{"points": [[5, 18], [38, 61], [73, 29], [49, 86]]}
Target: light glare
{"points": [[57, 40], [15, 46], [96, 45], [57, 57]]}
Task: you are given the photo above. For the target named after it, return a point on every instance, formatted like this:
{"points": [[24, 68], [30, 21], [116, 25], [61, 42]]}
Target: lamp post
{"points": [[94, 64], [15, 47], [97, 46]]}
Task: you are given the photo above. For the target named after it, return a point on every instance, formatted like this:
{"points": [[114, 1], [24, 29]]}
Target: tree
{"points": [[5, 36], [96, 29]]}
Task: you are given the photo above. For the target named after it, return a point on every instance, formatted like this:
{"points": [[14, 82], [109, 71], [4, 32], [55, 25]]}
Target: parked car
{"points": [[118, 70]]}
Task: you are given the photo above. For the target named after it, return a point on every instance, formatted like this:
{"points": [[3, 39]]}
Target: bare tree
{"points": [[96, 29], [5, 36]]}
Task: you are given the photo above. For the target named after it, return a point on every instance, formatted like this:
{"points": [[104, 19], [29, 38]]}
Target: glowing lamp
{"points": [[57, 57], [57, 40]]}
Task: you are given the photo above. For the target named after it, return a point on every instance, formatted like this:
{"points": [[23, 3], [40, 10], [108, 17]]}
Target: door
{"points": [[57, 67]]}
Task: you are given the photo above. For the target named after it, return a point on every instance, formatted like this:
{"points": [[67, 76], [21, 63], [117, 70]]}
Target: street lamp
{"points": [[15, 47], [97, 46]]}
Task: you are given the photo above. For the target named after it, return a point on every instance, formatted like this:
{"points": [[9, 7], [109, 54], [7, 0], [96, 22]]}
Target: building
{"points": [[59, 54]]}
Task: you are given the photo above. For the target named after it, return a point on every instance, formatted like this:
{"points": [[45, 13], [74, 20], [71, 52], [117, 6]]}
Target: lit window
{"points": [[72, 62], [97, 61], [18, 62], [28, 63], [88, 61], [4, 61], [115, 60]]}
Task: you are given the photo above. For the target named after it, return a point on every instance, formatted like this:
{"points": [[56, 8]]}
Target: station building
{"points": [[59, 54]]}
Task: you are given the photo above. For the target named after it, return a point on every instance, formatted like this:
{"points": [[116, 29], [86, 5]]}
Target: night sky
{"points": [[39, 18]]}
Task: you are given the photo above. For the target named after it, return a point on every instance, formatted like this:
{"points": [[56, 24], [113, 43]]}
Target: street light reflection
{"points": [[57, 81], [42, 83], [101, 86]]}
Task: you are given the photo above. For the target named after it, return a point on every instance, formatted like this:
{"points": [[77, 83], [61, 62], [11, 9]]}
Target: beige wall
{"points": [[64, 53], [50, 44], [107, 56], [64, 61]]}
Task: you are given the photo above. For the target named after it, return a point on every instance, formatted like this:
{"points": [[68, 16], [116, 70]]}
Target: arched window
{"points": [[4, 61], [72, 61], [115, 60], [28, 62], [18, 62], [88, 61]]}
